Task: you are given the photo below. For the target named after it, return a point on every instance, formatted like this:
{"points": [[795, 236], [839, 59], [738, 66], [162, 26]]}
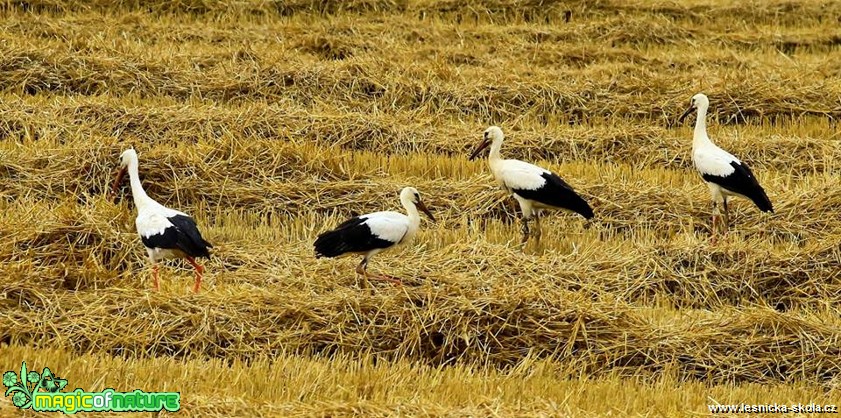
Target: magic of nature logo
{"points": [[42, 392]]}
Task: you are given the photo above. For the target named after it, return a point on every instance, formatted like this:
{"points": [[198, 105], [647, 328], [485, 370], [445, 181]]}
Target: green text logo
{"points": [[41, 392]]}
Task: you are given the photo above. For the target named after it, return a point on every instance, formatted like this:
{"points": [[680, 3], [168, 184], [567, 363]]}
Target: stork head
{"points": [[492, 135], [698, 101], [411, 195], [127, 157]]}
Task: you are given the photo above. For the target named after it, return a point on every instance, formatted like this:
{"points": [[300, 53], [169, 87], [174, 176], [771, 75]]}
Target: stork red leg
{"points": [[362, 269], [726, 217], [199, 271], [155, 276], [393, 280], [713, 226]]}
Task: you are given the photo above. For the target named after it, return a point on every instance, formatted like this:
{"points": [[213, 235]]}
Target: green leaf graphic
{"points": [[15, 388], [21, 396], [23, 390], [23, 376]]}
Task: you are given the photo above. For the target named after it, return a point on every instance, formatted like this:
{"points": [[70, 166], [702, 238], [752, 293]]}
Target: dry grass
{"points": [[292, 386], [272, 121]]}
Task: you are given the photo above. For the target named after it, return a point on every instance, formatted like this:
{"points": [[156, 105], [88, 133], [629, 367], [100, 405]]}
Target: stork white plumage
{"points": [[534, 188], [725, 174], [166, 233], [373, 233]]}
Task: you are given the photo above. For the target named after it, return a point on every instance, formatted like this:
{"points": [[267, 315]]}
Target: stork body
{"points": [[166, 233], [535, 189], [725, 175], [370, 234]]}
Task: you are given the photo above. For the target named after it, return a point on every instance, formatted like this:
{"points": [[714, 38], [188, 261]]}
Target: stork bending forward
{"points": [[373, 233], [166, 233]]}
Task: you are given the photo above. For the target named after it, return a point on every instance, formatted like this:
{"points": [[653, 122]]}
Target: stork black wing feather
{"points": [[185, 236], [351, 236], [743, 182], [556, 192]]}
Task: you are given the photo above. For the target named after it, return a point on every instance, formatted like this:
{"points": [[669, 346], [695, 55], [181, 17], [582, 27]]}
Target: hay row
{"points": [[497, 326], [73, 248], [315, 64], [352, 386], [797, 147], [541, 11], [377, 84], [289, 178]]}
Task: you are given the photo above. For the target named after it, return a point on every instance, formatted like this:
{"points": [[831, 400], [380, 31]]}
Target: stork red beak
{"points": [[422, 207], [482, 145], [117, 181], [685, 114]]}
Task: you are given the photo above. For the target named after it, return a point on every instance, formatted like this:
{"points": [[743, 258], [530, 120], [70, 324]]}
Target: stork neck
{"points": [[700, 137], [412, 212], [141, 199], [496, 146], [494, 158]]}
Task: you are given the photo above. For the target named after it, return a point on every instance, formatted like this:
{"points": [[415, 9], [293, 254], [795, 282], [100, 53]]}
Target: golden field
{"points": [[271, 122]]}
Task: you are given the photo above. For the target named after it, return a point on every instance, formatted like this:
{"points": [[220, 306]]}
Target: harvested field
{"points": [[271, 122]]}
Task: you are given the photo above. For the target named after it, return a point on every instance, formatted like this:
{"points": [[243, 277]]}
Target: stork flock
{"points": [[167, 233]]}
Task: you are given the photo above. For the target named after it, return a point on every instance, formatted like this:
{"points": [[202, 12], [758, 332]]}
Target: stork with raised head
{"points": [[166, 233], [725, 174], [535, 188], [373, 233]]}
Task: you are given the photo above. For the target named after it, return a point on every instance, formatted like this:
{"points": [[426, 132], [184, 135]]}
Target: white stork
{"points": [[725, 175], [534, 188], [373, 233], [166, 233]]}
